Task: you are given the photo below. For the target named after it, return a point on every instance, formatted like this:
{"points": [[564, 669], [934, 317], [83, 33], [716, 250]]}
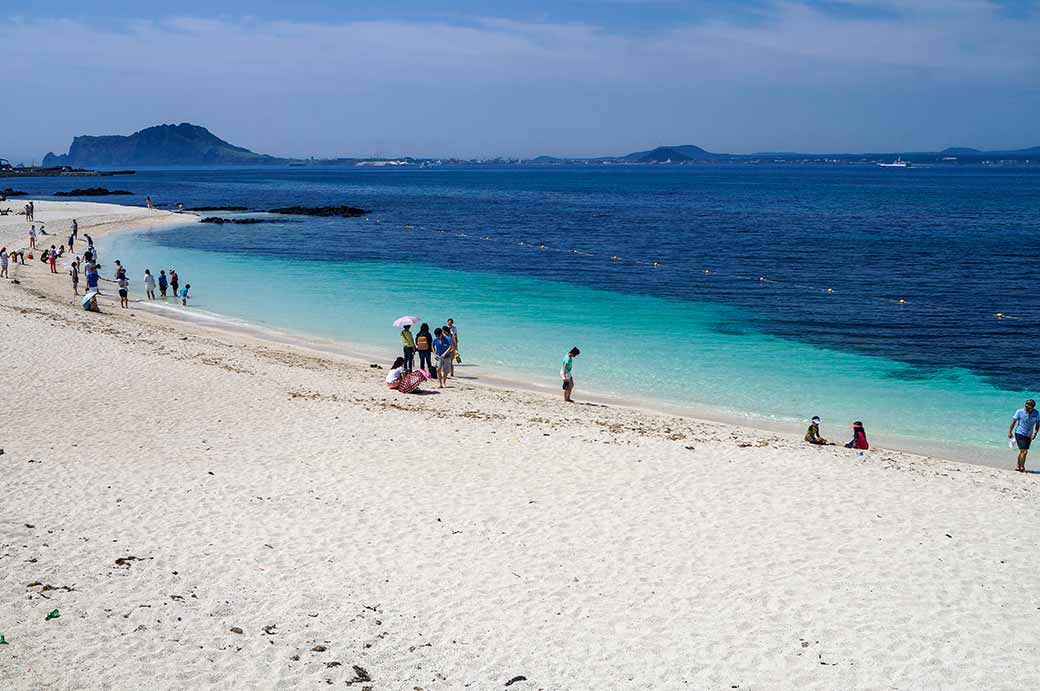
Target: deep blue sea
{"points": [[758, 291]]}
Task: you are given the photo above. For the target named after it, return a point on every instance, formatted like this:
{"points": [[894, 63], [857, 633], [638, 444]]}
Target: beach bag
{"points": [[422, 342]]}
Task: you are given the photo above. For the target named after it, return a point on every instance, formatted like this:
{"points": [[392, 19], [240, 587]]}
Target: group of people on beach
{"points": [[859, 435], [440, 345], [1025, 425], [88, 265]]}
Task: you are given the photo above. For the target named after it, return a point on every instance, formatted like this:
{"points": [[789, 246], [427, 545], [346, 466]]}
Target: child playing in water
{"points": [[184, 294]]}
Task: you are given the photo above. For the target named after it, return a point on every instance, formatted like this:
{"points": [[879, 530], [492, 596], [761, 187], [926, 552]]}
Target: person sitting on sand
{"points": [[565, 373], [812, 435], [90, 304], [1024, 425], [403, 380], [859, 437]]}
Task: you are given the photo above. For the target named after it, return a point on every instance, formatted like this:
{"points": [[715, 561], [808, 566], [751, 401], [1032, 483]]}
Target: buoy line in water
{"points": [[762, 280]]}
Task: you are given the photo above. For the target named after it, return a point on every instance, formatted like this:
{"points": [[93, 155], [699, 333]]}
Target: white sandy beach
{"points": [[207, 509]]}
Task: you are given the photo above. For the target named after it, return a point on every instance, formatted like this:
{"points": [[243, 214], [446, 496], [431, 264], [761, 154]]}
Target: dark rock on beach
{"points": [[218, 208], [91, 192], [238, 221], [342, 211]]}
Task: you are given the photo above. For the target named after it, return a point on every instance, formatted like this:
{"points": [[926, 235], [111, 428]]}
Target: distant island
{"points": [[192, 145], [162, 145]]}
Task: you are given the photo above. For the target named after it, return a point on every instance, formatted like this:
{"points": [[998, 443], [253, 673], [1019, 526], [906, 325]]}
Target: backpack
{"points": [[422, 342]]}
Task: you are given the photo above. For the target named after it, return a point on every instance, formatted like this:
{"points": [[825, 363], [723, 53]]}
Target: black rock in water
{"points": [[218, 208], [12, 193], [91, 192], [342, 211], [238, 221]]}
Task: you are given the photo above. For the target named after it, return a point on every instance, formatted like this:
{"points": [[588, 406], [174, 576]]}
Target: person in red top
{"points": [[859, 437]]}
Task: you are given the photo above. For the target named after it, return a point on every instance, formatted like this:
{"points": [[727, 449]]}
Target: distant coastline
{"points": [[193, 145]]}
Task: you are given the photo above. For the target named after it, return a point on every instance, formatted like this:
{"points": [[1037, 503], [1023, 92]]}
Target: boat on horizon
{"points": [[898, 163]]}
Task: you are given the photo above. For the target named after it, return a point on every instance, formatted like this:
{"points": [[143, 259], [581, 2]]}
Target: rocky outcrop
{"points": [[327, 211], [91, 192]]}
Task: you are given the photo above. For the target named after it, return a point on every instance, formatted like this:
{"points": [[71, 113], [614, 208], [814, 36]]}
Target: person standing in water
{"points": [[162, 283], [173, 282], [566, 375], [408, 345], [149, 284], [184, 294], [1024, 425]]}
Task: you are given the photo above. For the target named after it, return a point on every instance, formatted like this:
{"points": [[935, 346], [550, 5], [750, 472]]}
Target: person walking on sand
{"points": [[75, 228], [162, 283], [52, 259], [812, 435], [1024, 426], [32, 211], [423, 344], [184, 294], [74, 275], [173, 282], [3, 262], [442, 350], [408, 345], [149, 284], [566, 375], [148, 202], [32, 236]]}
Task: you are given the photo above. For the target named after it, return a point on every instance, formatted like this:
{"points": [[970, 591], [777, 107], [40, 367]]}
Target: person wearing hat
{"points": [[812, 435], [1024, 426]]}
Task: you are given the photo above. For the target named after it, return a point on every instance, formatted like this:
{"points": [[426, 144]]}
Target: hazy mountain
{"points": [[162, 145]]}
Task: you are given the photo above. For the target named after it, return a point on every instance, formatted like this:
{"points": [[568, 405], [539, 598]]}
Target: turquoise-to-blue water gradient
{"points": [[684, 353]]}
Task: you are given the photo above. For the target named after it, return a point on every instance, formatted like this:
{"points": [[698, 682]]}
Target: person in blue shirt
{"points": [[442, 351], [184, 294], [1024, 426]]}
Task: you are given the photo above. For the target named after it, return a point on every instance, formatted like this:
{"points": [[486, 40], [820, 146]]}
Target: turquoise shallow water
{"points": [[634, 346]]}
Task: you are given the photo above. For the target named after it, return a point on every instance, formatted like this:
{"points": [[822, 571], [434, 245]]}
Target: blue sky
{"points": [[570, 77]]}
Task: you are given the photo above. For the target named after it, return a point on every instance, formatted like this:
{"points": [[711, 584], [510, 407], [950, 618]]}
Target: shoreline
{"points": [[139, 219]]}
